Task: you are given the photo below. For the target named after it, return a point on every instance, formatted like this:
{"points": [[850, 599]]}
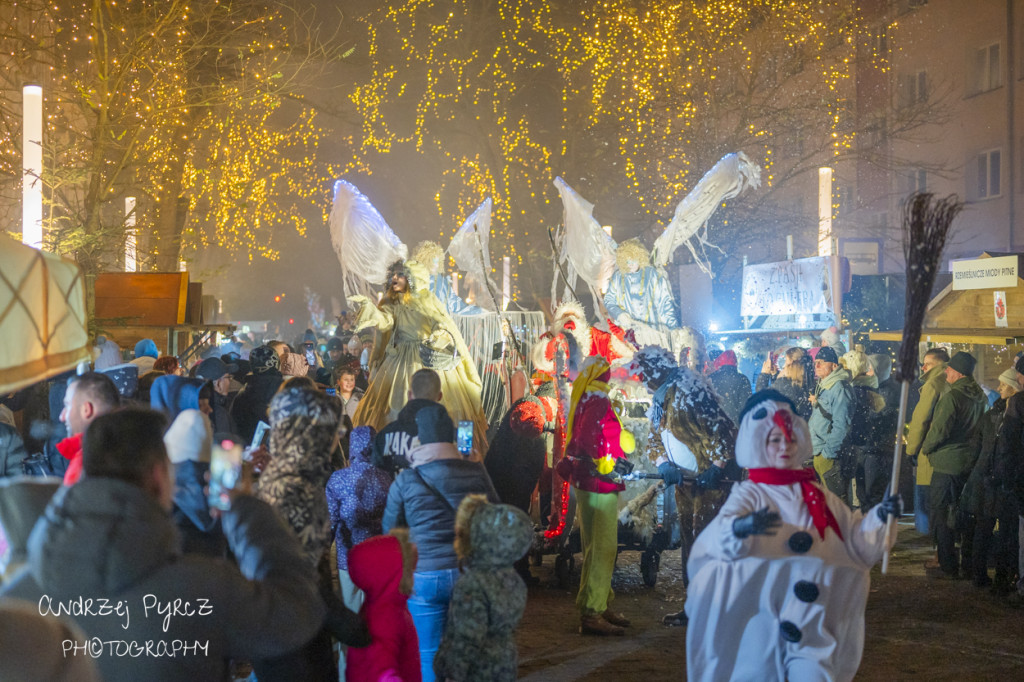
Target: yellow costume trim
{"points": [[586, 381]]}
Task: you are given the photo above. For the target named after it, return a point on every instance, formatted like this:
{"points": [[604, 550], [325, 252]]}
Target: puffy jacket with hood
{"points": [[830, 420], [106, 538], [356, 496], [188, 442], [393, 655], [172, 395], [479, 640], [948, 441]]}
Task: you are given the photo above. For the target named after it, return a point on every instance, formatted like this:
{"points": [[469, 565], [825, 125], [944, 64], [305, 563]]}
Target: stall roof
{"points": [[42, 315], [969, 336], [967, 315]]}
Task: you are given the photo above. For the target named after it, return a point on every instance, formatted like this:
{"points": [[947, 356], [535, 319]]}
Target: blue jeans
{"points": [[428, 605], [921, 508]]}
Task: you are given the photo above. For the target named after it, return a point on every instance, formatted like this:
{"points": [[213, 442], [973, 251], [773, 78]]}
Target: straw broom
{"points": [[926, 223]]}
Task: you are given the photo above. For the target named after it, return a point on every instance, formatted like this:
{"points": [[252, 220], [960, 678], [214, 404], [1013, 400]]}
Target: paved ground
{"points": [[916, 628]]}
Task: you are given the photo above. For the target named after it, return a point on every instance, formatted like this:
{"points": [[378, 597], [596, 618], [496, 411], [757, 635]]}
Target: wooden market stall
{"points": [[981, 311], [163, 306]]}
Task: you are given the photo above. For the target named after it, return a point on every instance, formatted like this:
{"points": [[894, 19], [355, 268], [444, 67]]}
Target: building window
{"points": [[987, 168], [915, 181], [913, 88], [985, 70]]}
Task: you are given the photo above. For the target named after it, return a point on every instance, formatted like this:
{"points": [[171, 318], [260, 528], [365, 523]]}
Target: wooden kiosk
{"points": [[163, 306], [981, 312]]}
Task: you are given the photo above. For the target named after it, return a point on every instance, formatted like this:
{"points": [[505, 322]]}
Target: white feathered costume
{"points": [[788, 606]]}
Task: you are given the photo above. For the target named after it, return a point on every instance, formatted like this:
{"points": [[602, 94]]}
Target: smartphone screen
{"points": [[225, 472], [262, 429], [331, 391], [464, 438]]}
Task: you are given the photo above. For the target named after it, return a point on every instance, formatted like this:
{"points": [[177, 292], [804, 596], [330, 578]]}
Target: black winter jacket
{"points": [[250, 406], [733, 388], [424, 500], [391, 446]]}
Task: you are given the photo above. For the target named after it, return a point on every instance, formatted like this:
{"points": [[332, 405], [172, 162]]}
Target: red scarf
{"points": [[814, 498]]}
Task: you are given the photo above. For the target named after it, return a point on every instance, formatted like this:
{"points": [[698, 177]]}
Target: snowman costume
{"points": [[788, 604]]}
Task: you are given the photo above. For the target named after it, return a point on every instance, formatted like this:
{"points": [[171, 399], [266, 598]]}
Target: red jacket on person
{"points": [[71, 449], [375, 567], [596, 433]]}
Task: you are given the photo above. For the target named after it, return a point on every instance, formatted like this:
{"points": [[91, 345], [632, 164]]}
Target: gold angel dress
{"points": [[404, 325]]}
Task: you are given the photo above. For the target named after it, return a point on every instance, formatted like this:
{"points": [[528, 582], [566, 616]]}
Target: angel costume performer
{"points": [[432, 256], [639, 296], [405, 319], [780, 577]]}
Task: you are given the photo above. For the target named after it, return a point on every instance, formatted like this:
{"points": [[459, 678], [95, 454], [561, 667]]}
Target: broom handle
{"points": [[894, 485]]}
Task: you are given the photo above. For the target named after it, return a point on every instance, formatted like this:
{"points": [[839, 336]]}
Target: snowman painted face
{"points": [[772, 436], [780, 451]]}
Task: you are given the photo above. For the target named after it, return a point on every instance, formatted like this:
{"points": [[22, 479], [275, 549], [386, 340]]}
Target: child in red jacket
{"points": [[382, 568]]}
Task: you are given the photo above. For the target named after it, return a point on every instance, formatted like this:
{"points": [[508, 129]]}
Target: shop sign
{"points": [[985, 273], [794, 287]]}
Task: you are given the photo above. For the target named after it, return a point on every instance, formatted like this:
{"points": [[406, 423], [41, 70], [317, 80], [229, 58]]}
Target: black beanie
{"points": [[963, 363], [827, 354], [433, 425]]}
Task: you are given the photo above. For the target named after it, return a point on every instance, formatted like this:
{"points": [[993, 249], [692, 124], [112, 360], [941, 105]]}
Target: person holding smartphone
{"points": [[423, 499], [116, 538]]}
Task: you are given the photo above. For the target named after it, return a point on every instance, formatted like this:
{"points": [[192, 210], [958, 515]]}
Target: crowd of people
{"points": [[360, 543]]}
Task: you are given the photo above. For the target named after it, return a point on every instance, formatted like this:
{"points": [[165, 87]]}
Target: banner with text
{"points": [[795, 287], [985, 273]]}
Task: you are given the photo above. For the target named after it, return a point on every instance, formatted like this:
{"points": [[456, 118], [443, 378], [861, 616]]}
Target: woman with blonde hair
{"points": [[791, 381]]}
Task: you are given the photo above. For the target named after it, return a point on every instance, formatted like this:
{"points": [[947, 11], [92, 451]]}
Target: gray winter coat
{"points": [[105, 539], [488, 601]]}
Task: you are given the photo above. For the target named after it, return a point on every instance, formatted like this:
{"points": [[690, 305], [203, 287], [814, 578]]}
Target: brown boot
{"points": [[596, 625], [616, 618]]}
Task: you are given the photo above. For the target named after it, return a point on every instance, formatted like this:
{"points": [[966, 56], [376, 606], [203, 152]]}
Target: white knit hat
{"points": [[189, 438]]}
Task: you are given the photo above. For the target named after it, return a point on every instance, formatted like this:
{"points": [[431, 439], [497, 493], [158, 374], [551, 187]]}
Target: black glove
{"points": [[670, 473], [913, 459], [623, 466], [761, 522], [892, 505], [710, 478]]}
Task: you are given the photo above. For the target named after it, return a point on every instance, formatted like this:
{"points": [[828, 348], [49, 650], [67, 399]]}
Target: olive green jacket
{"points": [[948, 443], [933, 387]]}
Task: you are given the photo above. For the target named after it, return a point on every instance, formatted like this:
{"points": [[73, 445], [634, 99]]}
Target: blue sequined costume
{"points": [[442, 288], [644, 295]]}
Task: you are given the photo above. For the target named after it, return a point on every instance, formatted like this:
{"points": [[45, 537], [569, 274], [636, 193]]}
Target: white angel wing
{"points": [[727, 179], [365, 245], [469, 246], [587, 247]]}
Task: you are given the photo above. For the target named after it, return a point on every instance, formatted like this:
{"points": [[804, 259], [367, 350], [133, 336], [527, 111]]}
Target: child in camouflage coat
{"points": [[489, 598]]}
